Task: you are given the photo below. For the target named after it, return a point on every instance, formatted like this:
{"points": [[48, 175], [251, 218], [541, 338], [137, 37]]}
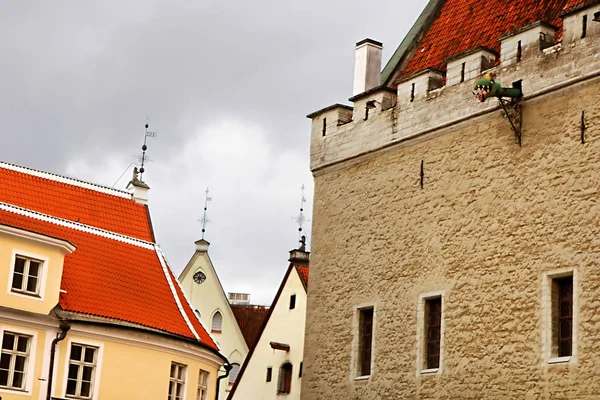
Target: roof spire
{"points": [[143, 158], [205, 219], [301, 219]]}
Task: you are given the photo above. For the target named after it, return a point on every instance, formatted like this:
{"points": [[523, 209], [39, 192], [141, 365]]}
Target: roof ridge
{"points": [[76, 225], [65, 179]]}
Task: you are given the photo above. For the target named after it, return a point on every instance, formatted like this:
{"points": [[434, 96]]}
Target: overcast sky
{"points": [[227, 86]]}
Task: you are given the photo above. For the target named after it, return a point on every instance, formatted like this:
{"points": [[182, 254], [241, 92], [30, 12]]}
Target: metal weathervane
{"points": [[205, 219], [300, 218], [143, 158]]}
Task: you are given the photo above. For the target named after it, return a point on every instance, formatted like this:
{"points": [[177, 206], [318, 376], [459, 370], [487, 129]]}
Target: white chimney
{"points": [[138, 188], [367, 68]]}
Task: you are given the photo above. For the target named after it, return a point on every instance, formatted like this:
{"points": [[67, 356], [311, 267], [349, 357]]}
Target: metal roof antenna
{"points": [[143, 158], [300, 218], [205, 219]]}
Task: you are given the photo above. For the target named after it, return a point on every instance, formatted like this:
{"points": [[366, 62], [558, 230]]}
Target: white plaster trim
{"points": [[46, 363], [98, 372], [362, 378], [68, 181], [159, 254], [76, 225], [546, 309], [42, 281], [31, 362], [63, 244], [420, 347]]}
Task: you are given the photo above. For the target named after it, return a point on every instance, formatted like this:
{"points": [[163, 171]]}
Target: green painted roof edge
{"points": [[411, 38]]}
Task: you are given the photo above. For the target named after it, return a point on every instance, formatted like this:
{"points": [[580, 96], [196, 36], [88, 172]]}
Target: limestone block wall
{"points": [[491, 221]]}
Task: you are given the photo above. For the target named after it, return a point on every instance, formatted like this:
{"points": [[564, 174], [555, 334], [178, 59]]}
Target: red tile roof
{"points": [[250, 319], [73, 200], [466, 24], [303, 272], [108, 275]]}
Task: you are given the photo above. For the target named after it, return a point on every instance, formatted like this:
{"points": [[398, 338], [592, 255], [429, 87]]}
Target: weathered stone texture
{"points": [[491, 218]]}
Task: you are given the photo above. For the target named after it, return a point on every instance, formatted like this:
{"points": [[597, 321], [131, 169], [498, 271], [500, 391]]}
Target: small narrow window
{"points": [[433, 321], [177, 381], [217, 323], [324, 126], [26, 276], [285, 379], [562, 316], [203, 385], [365, 342], [412, 93], [269, 374], [292, 302], [462, 72], [82, 371], [233, 374], [519, 51], [584, 27], [300, 372], [14, 360]]}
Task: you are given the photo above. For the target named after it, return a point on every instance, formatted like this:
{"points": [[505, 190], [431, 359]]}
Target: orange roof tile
{"points": [[303, 272], [109, 275], [250, 319], [74, 200], [466, 24]]}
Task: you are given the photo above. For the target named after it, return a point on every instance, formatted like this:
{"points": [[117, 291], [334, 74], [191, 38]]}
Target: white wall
{"points": [[208, 297], [284, 326]]}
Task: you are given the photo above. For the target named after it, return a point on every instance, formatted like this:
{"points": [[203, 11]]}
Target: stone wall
{"points": [[490, 221]]}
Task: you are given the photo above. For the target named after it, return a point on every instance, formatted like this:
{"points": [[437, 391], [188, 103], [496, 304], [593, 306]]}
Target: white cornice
{"points": [[66, 180], [63, 244], [76, 225]]}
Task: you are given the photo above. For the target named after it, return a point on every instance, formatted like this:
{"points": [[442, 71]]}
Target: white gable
{"points": [[284, 327]]}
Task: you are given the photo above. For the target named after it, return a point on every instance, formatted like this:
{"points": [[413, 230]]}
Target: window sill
{"points": [[558, 360], [430, 371], [214, 331], [362, 378]]}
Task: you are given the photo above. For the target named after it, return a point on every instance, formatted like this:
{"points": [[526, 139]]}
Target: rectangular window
{"points": [[562, 316], [26, 276], [292, 302], [324, 126], [462, 72], [14, 357], [519, 51], [584, 27], [365, 341], [177, 381], [433, 321], [82, 370], [203, 385], [300, 372], [412, 93], [269, 374]]}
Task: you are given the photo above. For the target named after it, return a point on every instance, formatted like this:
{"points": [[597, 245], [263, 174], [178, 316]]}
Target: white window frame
{"points": [[41, 280], [30, 369], [212, 318], [98, 371], [177, 380], [203, 386], [547, 340], [354, 356], [421, 368]]}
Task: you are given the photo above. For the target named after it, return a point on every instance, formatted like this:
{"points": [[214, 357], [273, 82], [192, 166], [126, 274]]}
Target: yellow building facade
{"points": [[92, 313]]}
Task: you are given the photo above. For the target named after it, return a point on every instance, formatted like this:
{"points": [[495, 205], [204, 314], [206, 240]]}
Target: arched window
{"points": [[233, 374], [285, 378], [217, 323]]}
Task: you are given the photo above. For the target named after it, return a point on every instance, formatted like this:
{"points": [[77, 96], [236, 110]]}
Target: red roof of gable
{"points": [[250, 319], [29, 189], [110, 274], [466, 24], [303, 272]]}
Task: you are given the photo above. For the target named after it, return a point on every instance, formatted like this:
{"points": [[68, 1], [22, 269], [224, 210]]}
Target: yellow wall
{"points": [[53, 257]]}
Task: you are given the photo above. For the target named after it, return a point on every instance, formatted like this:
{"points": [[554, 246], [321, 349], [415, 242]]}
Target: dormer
{"points": [[31, 268], [538, 35], [469, 65], [581, 22], [419, 84]]}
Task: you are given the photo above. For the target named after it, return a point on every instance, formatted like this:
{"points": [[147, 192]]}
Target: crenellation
{"points": [[415, 108]]}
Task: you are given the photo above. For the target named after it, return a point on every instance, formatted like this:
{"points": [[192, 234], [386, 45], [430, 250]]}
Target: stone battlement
{"points": [[430, 100]]}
